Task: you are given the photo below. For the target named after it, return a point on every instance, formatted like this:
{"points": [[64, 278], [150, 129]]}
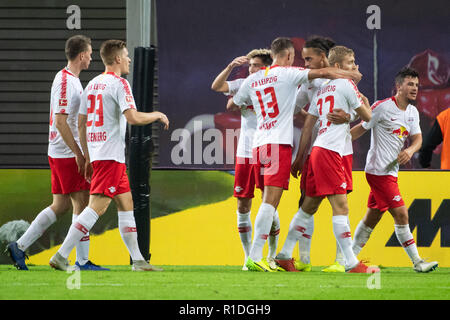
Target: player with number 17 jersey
{"points": [[272, 93], [326, 174], [104, 100]]}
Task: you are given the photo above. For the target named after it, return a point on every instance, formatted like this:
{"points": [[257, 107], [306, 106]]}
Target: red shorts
{"points": [[65, 176], [244, 178], [109, 178], [272, 165], [347, 162], [384, 193], [326, 173]]}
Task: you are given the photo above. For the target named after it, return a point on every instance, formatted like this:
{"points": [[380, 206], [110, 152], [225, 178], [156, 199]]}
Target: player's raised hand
{"points": [[239, 61], [357, 76]]}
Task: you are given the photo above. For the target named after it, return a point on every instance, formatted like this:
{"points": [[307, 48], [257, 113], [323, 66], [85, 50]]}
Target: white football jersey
{"points": [[65, 98], [248, 123], [390, 126], [272, 92], [338, 93], [104, 100], [304, 97]]}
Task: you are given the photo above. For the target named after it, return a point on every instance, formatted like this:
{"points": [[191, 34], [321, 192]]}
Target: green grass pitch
{"points": [[220, 283]]}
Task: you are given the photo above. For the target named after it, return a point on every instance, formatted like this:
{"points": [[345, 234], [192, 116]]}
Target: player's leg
{"points": [[80, 200], [264, 220], [98, 203], [297, 228], [406, 239], [341, 228], [244, 186], [339, 262], [365, 228], [304, 242], [128, 231], [244, 224], [45, 218]]}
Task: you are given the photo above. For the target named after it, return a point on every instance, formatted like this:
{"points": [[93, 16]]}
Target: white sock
{"points": [[128, 232], [245, 231], [304, 242], [79, 228], [263, 222], [43, 220], [343, 236], [406, 239], [339, 255], [274, 235], [362, 235], [82, 247], [297, 228]]}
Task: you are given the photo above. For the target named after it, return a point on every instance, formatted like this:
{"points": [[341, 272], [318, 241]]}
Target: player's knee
{"points": [[244, 205]]}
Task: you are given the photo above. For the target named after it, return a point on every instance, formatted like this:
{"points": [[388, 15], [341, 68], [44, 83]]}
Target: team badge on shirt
{"points": [[63, 102]]}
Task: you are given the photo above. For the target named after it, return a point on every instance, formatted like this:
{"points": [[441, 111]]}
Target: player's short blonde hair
{"points": [[337, 54], [110, 49], [263, 54]]}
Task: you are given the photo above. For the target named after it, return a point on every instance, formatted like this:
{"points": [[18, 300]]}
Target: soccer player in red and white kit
{"points": [[315, 54], [244, 181], [326, 173], [393, 120], [272, 91], [64, 155], [107, 105]]}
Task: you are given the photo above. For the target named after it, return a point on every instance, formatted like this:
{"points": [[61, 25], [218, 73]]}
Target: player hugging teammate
{"points": [[330, 87]]}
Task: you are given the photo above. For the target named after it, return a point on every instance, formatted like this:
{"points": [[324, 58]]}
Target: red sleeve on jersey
{"points": [[377, 103], [63, 96]]}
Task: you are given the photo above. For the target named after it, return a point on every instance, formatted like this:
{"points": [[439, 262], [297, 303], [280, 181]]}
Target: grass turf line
{"points": [[221, 283]]}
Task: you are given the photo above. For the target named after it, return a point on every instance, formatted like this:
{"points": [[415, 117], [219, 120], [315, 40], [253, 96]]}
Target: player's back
{"points": [[104, 100], [272, 92], [338, 93], [65, 99]]}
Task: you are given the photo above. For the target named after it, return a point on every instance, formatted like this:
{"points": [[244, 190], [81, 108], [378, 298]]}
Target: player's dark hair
{"points": [[75, 45], [280, 44], [405, 72], [320, 44], [110, 49]]}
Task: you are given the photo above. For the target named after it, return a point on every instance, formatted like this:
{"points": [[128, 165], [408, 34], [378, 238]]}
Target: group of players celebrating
{"points": [[268, 99], [87, 152]]}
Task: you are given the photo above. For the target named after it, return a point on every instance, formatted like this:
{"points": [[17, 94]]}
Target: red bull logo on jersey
{"points": [[401, 132]]}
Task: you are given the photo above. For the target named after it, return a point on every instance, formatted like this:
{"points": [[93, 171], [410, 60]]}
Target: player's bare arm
{"points": [[357, 131], [220, 82], [67, 135], [338, 116], [305, 139], [334, 73], [364, 113], [137, 118], [231, 106], [405, 155], [82, 119]]}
